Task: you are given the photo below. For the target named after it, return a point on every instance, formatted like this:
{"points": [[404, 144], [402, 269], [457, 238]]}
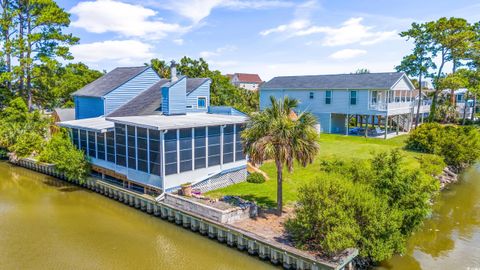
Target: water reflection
{"points": [[450, 239]]}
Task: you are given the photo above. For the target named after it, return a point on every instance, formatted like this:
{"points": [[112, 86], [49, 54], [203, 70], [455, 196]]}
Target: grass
{"points": [[348, 147]]}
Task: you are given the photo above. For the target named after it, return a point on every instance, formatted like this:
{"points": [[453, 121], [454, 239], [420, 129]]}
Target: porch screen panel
{"points": [[170, 152], [213, 146], [75, 138], [110, 146], [132, 162], [228, 144], [120, 142], [185, 149], [200, 147], [83, 140], [238, 143], [100, 146], [142, 149], [91, 144], [154, 152]]}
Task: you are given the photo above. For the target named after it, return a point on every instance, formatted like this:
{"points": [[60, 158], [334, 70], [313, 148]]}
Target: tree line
{"points": [[453, 41]]}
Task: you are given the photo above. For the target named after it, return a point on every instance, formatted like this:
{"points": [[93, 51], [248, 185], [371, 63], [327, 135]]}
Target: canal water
{"points": [[46, 223], [450, 239]]}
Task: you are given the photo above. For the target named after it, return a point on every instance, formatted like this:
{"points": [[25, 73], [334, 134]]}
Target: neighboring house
{"points": [[246, 81], [163, 135], [464, 104], [63, 114], [373, 98]]}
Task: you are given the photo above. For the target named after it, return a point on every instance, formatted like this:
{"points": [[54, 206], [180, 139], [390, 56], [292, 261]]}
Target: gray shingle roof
{"points": [[337, 81], [109, 81], [150, 101]]}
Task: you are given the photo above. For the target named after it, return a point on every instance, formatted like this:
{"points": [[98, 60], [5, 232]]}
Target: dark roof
{"points": [[65, 114], [110, 81], [338, 81], [150, 101], [147, 102]]}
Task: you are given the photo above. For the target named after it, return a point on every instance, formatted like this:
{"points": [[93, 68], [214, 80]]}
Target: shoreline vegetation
{"points": [[330, 197]]}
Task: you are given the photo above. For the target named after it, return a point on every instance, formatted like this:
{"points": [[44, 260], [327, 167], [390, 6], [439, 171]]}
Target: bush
{"points": [[373, 205], [459, 146], [67, 159], [27, 144], [256, 178]]}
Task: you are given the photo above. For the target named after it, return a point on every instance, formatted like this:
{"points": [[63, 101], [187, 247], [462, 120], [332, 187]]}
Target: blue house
{"points": [[382, 99], [153, 135]]}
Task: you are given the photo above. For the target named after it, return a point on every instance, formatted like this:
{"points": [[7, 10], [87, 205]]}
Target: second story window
{"points": [[202, 102], [328, 97], [374, 97], [311, 95], [353, 97]]}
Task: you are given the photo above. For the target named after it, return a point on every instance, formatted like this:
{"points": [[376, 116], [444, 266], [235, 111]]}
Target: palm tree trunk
{"points": [[279, 187], [465, 108]]}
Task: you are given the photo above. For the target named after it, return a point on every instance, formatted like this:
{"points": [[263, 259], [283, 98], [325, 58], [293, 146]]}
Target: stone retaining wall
{"points": [[223, 216]]}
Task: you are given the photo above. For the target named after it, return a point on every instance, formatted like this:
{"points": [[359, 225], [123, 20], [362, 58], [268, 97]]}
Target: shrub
{"points": [[459, 146], [67, 159], [373, 205], [256, 178], [26, 144]]}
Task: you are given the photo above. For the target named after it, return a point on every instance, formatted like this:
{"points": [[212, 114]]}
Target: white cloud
{"points": [[178, 41], [129, 20], [196, 10], [351, 31], [347, 53], [123, 52], [217, 52]]}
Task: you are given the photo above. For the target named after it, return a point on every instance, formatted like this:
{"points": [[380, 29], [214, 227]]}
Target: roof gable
{"points": [[336, 81], [110, 81]]}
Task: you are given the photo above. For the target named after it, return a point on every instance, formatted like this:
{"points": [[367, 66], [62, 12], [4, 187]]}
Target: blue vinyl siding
{"points": [[130, 89], [174, 98], [202, 91], [88, 107]]}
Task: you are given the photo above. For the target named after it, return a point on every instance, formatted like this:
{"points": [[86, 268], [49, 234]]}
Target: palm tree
{"points": [[280, 134]]}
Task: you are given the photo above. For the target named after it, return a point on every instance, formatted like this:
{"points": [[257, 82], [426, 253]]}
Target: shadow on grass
{"points": [[261, 201]]}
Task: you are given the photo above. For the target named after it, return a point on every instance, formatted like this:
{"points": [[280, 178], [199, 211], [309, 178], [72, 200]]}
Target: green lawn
{"points": [[330, 145]]}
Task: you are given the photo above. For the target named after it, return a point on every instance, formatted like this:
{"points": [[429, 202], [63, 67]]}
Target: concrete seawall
{"points": [[265, 249]]}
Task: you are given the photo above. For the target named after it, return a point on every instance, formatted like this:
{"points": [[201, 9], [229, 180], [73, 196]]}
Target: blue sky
{"points": [[268, 37]]}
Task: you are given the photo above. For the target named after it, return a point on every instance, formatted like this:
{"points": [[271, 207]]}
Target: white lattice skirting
{"points": [[222, 180]]}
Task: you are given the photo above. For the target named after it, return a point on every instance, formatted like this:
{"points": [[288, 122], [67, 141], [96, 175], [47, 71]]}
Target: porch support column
{"points": [[398, 123], [386, 125], [366, 126], [346, 124]]}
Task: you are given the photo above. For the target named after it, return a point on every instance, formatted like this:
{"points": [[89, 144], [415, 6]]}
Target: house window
{"points": [[170, 141], [374, 97], [213, 145], [142, 149], [100, 145], [353, 97], [185, 149], [311, 95], [200, 148], [132, 159], [120, 145], [83, 140], [459, 98], [154, 152], [239, 155], [328, 97], [75, 138], [228, 144], [110, 146], [202, 102], [91, 144]]}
